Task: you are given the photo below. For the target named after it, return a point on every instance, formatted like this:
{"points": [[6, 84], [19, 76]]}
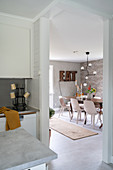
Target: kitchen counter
{"points": [[29, 110], [19, 150]]}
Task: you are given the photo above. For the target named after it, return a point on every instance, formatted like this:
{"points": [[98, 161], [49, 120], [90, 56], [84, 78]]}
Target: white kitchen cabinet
{"points": [[15, 51], [39, 167], [2, 124], [29, 124]]}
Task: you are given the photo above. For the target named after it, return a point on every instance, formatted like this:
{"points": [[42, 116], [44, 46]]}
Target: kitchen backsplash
{"points": [[5, 89]]}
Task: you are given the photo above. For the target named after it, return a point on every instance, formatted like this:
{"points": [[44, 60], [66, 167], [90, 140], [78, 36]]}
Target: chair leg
{"points": [[99, 117], [93, 121], [60, 112], [69, 114], [78, 116], [85, 117]]}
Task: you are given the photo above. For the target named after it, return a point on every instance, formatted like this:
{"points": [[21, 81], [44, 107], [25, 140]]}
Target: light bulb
{"points": [[86, 77], [85, 84], [89, 64], [94, 72], [82, 68]]}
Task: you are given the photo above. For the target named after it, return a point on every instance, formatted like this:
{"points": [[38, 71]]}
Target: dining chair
{"points": [[90, 109], [76, 108], [64, 106]]}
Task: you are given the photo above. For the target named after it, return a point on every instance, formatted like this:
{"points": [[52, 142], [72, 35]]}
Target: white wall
{"points": [[67, 88]]}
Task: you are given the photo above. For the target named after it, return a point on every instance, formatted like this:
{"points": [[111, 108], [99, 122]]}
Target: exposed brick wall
{"points": [[97, 80]]}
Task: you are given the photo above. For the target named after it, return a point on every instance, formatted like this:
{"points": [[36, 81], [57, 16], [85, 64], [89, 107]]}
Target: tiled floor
{"points": [[82, 154]]}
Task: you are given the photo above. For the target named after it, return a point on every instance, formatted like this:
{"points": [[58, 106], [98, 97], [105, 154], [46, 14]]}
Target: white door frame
{"points": [[44, 81], [107, 95], [107, 90]]}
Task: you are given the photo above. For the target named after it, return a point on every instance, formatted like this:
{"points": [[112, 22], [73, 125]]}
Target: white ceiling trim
{"points": [[15, 17], [44, 12], [78, 61], [72, 3], [82, 6], [51, 5]]}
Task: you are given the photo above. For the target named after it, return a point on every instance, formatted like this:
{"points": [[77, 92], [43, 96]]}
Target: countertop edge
{"points": [[34, 163], [26, 112]]}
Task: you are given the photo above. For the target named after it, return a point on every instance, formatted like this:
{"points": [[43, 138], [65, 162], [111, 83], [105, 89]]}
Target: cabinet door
{"points": [[39, 167], [15, 52], [2, 124], [29, 124]]}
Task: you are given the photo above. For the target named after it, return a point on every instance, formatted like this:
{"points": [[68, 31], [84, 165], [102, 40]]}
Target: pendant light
{"points": [[86, 69]]}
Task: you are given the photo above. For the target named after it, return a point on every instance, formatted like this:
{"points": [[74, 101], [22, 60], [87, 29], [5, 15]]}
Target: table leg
{"points": [[100, 115], [71, 112], [85, 118], [101, 126]]}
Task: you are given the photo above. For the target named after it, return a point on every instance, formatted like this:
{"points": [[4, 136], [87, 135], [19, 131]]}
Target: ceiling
{"points": [[102, 7], [76, 26], [73, 32], [24, 8]]}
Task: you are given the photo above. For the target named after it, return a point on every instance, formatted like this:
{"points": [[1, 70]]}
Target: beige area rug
{"points": [[70, 130]]}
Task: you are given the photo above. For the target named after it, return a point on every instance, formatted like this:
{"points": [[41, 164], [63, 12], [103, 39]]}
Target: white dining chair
{"points": [[64, 106], [90, 109], [76, 108]]}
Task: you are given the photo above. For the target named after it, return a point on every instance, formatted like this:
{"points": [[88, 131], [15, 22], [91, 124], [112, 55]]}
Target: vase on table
{"points": [[89, 96]]}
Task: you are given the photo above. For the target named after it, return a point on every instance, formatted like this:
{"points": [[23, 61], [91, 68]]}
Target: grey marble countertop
{"points": [[20, 150], [29, 110]]}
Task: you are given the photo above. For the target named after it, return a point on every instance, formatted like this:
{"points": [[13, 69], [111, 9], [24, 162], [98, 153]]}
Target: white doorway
{"points": [[107, 137]]}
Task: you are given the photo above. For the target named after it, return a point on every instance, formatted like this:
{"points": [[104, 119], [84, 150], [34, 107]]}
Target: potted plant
{"points": [[51, 113]]}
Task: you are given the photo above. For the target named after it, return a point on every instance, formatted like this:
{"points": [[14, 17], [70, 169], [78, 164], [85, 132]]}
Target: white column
{"points": [[108, 92], [44, 81]]}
